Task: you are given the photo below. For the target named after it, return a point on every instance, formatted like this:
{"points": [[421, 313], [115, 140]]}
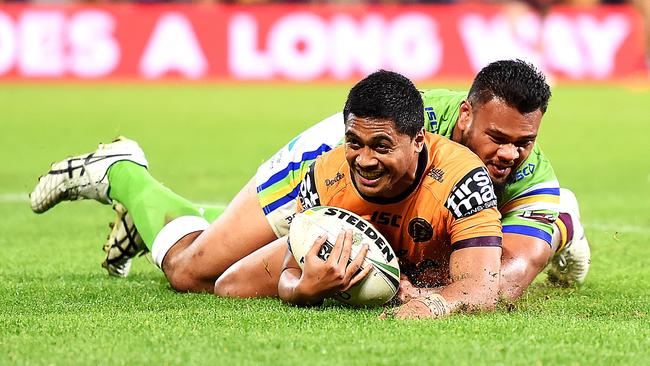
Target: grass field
{"points": [[57, 306]]}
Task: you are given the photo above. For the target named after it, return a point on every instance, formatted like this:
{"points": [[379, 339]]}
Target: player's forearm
{"points": [[516, 276], [292, 291], [522, 259], [472, 293]]}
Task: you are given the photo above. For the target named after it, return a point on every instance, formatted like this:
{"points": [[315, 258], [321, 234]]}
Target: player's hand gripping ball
{"points": [[381, 284]]}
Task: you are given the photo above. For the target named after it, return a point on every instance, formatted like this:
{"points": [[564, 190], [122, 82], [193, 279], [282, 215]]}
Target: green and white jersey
{"points": [[529, 202]]}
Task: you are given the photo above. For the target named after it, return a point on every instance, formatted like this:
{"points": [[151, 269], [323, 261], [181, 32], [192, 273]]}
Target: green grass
{"points": [[57, 306]]}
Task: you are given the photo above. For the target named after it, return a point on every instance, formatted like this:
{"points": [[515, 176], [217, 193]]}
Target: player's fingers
{"points": [[337, 249], [359, 276], [347, 248], [318, 243], [355, 265]]}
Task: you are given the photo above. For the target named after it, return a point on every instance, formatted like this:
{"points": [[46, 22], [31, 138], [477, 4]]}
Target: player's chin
{"points": [[499, 176], [370, 187], [499, 182]]}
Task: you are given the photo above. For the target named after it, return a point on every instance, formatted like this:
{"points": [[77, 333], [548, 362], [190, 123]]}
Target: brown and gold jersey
{"points": [[451, 206]]}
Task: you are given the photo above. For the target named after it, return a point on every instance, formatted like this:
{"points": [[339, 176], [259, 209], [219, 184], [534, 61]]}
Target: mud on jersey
{"points": [[451, 205]]}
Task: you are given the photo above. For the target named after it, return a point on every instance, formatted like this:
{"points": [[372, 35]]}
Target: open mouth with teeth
{"points": [[368, 177], [499, 172]]}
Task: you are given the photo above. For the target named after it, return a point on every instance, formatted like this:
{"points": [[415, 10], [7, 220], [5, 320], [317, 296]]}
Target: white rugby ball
{"points": [[381, 284]]}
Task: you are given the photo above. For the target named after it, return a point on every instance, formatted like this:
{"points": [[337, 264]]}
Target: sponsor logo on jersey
{"points": [[386, 218], [542, 217], [308, 194], [437, 174], [432, 118], [331, 182], [473, 193], [369, 231], [420, 230], [524, 172]]}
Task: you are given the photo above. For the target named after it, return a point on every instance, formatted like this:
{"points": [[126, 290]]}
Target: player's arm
{"points": [[475, 230], [523, 258], [475, 286], [529, 212], [321, 278]]}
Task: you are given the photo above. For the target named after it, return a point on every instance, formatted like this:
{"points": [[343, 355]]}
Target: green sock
{"points": [[151, 204]]}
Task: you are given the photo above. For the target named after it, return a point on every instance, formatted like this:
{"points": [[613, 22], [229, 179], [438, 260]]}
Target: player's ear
{"points": [[418, 141], [464, 115]]}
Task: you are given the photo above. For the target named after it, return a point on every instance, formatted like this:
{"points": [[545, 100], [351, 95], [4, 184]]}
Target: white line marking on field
{"points": [[621, 228], [17, 197], [14, 197], [211, 204]]}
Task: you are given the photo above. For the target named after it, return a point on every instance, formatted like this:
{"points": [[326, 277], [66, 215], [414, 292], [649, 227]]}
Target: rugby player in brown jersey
{"points": [[389, 165]]}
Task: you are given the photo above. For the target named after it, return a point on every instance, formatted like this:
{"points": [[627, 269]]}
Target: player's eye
{"points": [[524, 144], [499, 140], [382, 149], [353, 144]]}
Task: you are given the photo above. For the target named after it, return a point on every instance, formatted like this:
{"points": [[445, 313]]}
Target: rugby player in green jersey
{"points": [[498, 120]]}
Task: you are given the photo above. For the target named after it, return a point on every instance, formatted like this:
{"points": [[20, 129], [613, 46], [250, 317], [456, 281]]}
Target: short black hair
{"points": [[387, 95], [517, 83]]}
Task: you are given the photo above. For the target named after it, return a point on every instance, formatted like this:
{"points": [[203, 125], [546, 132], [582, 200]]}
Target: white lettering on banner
{"points": [[41, 43], [94, 51], [304, 46], [582, 47], [38, 42], [7, 43], [173, 47], [299, 46], [358, 45], [244, 60], [562, 47], [414, 48], [486, 41], [602, 41]]}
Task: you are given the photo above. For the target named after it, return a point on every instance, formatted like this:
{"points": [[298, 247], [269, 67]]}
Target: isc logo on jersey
{"points": [[473, 193]]}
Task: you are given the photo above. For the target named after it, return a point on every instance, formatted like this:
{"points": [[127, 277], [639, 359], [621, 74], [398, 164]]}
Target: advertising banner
{"points": [[310, 42]]}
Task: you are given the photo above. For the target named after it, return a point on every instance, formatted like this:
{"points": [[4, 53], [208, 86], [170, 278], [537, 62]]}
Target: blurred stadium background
{"points": [[210, 89]]}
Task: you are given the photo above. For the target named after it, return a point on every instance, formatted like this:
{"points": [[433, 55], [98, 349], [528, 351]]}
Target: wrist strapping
{"points": [[436, 304]]}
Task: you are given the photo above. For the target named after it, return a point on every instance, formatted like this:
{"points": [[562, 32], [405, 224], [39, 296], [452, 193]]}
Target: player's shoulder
{"points": [[439, 94], [457, 177], [441, 107], [449, 155]]}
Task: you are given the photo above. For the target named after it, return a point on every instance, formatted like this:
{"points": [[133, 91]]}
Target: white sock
{"points": [[171, 233]]}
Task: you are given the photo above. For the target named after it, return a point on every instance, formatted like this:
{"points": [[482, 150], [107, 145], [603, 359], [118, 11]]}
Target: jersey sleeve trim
{"points": [[528, 231], [481, 241], [281, 201], [533, 202], [542, 191], [307, 158]]}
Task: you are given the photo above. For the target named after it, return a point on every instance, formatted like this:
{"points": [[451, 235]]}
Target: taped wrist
{"points": [[436, 304]]}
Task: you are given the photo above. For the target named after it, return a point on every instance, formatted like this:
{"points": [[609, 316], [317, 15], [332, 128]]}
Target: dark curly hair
{"points": [[518, 83], [387, 95]]}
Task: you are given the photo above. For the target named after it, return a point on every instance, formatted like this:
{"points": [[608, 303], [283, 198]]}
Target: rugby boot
{"points": [[84, 176], [123, 244], [570, 265]]}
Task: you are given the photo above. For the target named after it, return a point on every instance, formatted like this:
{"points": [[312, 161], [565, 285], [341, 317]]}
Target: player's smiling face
{"points": [[383, 162], [500, 135]]}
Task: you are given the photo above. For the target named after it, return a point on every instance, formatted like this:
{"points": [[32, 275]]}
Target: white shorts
{"points": [[278, 179]]}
